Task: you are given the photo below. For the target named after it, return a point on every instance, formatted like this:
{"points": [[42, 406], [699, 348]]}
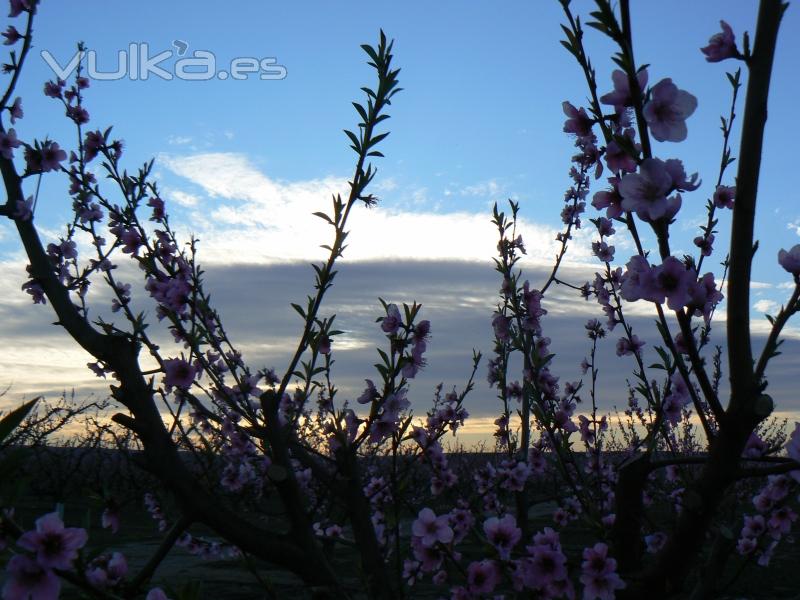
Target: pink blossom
{"points": [[421, 331], [52, 89], [369, 394], [618, 158], [724, 196], [680, 181], [621, 96], [16, 110], [705, 243], [17, 6], [51, 156], [78, 114], [414, 361], [429, 557], [746, 546], [598, 574], [29, 579], [793, 450], [703, 296], [578, 122], [131, 241], [157, 204], [667, 111], [547, 564], [502, 327], [156, 594], [92, 144], [12, 36], [763, 502], [677, 398], [780, 521], [673, 280], [755, 447], [655, 541], [8, 141], [790, 260], [24, 209], [178, 373], [324, 344], [646, 192], [766, 554], [627, 346], [56, 546], [611, 199], [482, 577], [110, 517], [503, 534], [754, 526], [430, 529], [392, 321], [721, 45], [107, 570], [34, 288], [637, 279], [605, 227], [603, 251]]}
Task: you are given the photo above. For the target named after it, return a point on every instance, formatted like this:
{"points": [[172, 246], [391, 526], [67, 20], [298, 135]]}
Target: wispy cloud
{"points": [[766, 306], [254, 218], [182, 198], [179, 140]]}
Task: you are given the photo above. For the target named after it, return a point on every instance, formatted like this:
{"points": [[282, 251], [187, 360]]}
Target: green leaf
{"points": [[361, 111], [370, 51], [354, 139], [323, 216], [377, 139], [13, 419]]}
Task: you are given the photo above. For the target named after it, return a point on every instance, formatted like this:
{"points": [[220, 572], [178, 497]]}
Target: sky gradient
{"points": [[243, 164]]}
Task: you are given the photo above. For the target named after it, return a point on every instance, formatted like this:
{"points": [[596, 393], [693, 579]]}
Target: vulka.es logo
{"points": [[136, 63]]}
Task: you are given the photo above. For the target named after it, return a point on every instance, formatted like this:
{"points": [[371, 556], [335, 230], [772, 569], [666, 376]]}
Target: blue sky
{"points": [[243, 163]]}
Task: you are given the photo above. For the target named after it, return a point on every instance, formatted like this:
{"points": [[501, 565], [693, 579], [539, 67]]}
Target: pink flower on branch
{"points": [[503, 534], [8, 141], [621, 96], [724, 196], [482, 577], [790, 260], [430, 529], [55, 546], [179, 373], [667, 111], [598, 574], [645, 192], [16, 110], [28, 579], [18, 6], [722, 45], [578, 122], [12, 36], [392, 321]]}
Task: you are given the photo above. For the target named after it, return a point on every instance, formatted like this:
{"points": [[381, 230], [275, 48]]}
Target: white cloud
{"points": [[183, 198], [179, 140], [766, 306], [252, 218], [489, 189]]}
